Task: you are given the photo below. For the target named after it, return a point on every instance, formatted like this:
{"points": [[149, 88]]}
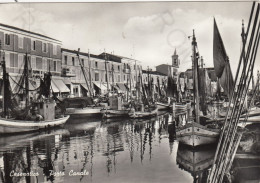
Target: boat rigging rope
{"points": [[226, 148]]}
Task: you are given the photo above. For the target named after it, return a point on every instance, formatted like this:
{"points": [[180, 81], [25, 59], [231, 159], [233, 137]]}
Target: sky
{"points": [[146, 31]]}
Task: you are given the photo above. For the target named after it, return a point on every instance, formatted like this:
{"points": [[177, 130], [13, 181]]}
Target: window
{"points": [[73, 61], [124, 77], [134, 67], [20, 61], [38, 63], [54, 66], [118, 68], [65, 59], [96, 76], [14, 62], [33, 62], [54, 49], [7, 59], [44, 47], [33, 45], [96, 64], [106, 78], [20, 42], [175, 61], [45, 64], [7, 39], [118, 78]]}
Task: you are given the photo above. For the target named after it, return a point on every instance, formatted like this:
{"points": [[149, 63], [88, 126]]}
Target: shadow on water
{"points": [[196, 161], [96, 151]]}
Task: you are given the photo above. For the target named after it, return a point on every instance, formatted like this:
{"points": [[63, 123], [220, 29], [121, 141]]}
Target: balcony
{"points": [[67, 72], [127, 71]]}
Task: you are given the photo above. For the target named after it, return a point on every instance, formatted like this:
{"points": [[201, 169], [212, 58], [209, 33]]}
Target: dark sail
{"points": [[171, 87], [221, 63], [203, 90]]}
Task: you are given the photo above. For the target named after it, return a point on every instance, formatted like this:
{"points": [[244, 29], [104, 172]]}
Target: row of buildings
{"points": [[103, 72]]}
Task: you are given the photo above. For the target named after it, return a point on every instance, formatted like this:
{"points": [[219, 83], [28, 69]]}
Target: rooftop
{"points": [[154, 73], [34, 33], [80, 53]]}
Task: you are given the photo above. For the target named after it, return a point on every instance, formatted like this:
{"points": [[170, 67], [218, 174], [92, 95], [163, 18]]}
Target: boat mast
{"points": [[243, 36], [130, 83], [5, 78], [112, 73], [195, 78], [89, 71], [84, 73], [106, 72], [26, 82]]}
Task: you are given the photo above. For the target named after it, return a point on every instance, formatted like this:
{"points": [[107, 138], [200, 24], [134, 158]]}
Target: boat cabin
{"points": [[46, 109]]}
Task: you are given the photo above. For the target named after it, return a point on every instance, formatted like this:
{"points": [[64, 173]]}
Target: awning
{"points": [[100, 86], [54, 88], [61, 85], [121, 86], [84, 85], [115, 87], [14, 80], [67, 82]]}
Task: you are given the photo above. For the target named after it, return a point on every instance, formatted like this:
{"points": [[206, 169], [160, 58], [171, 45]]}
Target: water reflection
{"points": [[196, 161], [90, 150]]}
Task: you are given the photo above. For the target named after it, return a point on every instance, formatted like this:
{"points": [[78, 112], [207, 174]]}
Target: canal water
{"points": [[92, 150], [95, 150]]}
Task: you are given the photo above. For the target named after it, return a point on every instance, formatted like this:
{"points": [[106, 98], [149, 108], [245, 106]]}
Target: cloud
{"points": [[148, 32], [175, 35]]}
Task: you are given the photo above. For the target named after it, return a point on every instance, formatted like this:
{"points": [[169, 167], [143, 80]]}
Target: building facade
{"points": [[44, 55], [100, 73], [107, 72], [44, 52]]}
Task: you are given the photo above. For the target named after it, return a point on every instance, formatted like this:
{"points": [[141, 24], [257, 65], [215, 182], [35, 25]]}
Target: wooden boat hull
{"points": [[163, 106], [194, 134], [86, 111], [17, 126], [181, 107], [197, 160], [140, 114], [110, 113], [253, 119]]}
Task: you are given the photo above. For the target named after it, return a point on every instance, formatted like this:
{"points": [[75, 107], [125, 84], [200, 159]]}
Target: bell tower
{"points": [[175, 63], [175, 60]]}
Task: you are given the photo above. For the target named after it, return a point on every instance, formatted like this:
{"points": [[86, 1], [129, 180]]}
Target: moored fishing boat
{"points": [[37, 114], [84, 106], [116, 108], [163, 106], [17, 126], [86, 111], [193, 133], [143, 114], [111, 113]]}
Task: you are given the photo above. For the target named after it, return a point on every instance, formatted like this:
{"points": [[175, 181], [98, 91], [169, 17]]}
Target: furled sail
{"points": [[221, 63], [202, 90]]}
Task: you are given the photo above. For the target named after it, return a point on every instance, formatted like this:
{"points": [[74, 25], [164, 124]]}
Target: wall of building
{"points": [[44, 53]]}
